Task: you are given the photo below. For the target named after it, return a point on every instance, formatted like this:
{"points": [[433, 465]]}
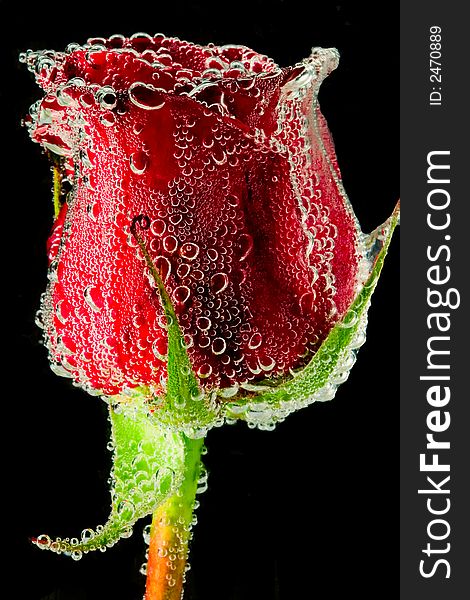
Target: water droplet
{"points": [[138, 162], [219, 282], [203, 323], [189, 251], [267, 363], [183, 270], [106, 97], [163, 266], [218, 346], [255, 341], [212, 254], [181, 294], [146, 534], [245, 245], [170, 243], [307, 302], [204, 371], [87, 535], [158, 227], [147, 97], [108, 119], [92, 298]]}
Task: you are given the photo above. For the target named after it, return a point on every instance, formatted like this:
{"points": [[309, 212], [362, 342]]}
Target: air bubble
{"points": [[52, 271], [189, 251], [170, 243], [204, 371], [60, 370], [156, 350], [181, 294], [212, 254], [349, 320], [218, 346], [60, 312], [229, 392], [138, 162], [147, 97], [106, 97], [126, 510], [146, 533], [87, 99], [158, 227], [219, 282], [88, 294], [307, 303], [245, 245], [203, 323], [87, 535], [43, 541], [188, 341], [108, 119], [233, 200], [267, 363], [183, 270], [163, 266], [255, 341]]}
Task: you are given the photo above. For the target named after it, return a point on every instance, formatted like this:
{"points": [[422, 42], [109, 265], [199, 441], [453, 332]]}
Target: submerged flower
{"points": [[228, 158], [205, 264]]}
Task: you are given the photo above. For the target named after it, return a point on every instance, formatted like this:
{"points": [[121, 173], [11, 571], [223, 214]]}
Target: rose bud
{"points": [[205, 262]]}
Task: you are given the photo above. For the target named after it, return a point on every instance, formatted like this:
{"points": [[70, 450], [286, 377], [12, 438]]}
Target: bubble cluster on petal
{"points": [[227, 158]]}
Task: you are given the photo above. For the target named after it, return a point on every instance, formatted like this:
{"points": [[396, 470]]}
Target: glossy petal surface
{"points": [[229, 160]]}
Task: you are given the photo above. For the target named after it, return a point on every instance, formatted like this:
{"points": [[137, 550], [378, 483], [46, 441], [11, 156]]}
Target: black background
{"points": [[307, 511]]}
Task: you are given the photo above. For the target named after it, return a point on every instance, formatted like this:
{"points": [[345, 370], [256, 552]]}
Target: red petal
{"points": [[249, 226]]}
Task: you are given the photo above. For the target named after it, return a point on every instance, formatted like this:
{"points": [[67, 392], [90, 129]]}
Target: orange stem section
{"points": [[170, 533]]}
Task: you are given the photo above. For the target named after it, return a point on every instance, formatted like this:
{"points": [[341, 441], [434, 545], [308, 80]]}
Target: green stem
{"points": [[170, 532]]}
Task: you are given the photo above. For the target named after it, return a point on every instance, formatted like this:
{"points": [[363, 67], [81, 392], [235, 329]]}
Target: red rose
{"points": [[205, 265], [228, 159]]}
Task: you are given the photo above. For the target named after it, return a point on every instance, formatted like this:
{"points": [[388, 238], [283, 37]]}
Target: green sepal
{"points": [[148, 467], [186, 407]]}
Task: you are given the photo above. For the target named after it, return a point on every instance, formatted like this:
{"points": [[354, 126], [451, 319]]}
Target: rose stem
{"points": [[170, 532]]}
